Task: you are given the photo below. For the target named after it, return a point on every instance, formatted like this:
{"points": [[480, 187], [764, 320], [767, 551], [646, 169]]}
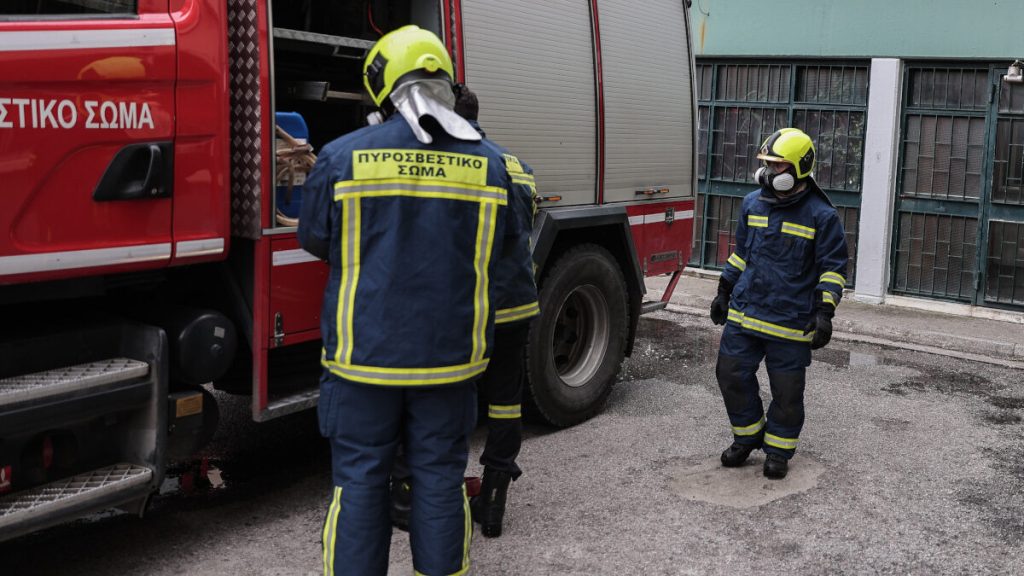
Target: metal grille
{"points": [[720, 228], [736, 135], [704, 85], [943, 157], [1004, 279], [850, 217], [936, 255], [754, 83], [703, 128], [948, 88], [1011, 99], [104, 480], [832, 85], [698, 232], [1008, 168], [839, 143], [941, 182], [740, 104]]}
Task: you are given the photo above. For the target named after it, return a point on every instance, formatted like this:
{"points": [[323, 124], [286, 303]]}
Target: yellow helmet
{"points": [[791, 146], [407, 53]]}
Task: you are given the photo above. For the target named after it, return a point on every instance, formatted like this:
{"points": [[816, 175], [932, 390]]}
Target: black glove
{"points": [[821, 324], [720, 305]]}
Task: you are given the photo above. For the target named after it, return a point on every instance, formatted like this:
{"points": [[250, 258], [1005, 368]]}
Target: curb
{"points": [[863, 339]]}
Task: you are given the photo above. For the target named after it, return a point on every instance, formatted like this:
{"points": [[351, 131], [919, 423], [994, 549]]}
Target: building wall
{"points": [[939, 211], [988, 29]]}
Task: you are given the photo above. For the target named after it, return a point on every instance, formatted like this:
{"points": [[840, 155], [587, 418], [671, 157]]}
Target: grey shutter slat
{"points": [[532, 65], [648, 105]]}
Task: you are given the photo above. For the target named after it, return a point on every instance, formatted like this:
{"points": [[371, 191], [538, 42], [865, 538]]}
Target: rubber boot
{"points": [[736, 454], [775, 466], [488, 508]]}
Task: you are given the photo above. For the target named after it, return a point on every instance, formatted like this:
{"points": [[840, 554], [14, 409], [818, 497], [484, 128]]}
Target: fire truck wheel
{"points": [[578, 342]]}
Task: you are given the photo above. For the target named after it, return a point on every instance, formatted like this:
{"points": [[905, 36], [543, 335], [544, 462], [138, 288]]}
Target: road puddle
{"points": [[743, 487]]}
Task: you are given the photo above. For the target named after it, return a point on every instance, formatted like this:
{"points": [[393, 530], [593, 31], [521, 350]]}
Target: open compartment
{"points": [[318, 95]]}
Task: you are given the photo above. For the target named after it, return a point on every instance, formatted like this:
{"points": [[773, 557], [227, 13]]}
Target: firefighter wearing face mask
{"points": [[777, 296]]}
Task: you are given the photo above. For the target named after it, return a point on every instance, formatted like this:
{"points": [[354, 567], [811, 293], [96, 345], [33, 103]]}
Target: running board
{"points": [[652, 306], [56, 502], [289, 405], [81, 378]]}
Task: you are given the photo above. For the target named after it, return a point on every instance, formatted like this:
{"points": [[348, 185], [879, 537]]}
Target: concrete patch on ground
{"points": [[743, 487]]}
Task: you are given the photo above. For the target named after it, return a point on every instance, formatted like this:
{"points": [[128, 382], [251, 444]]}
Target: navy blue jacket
{"points": [[515, 286], [413, 234], [789, 259]]}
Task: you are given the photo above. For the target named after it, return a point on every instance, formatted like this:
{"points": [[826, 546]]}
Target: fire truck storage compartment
{"points": [[319, 48]]}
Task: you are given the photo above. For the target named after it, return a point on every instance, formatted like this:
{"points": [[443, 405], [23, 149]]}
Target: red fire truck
{"points": [[146, 253]]}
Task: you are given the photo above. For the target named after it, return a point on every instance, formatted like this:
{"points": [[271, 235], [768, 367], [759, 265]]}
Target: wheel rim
{"points": [[580, 338]]}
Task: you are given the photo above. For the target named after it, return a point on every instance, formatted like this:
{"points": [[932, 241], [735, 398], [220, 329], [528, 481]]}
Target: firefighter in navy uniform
{"points": [[777, 297], [502, 384], [413, 216]]}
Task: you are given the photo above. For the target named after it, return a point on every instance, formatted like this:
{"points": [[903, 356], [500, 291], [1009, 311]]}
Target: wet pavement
{"points": [[909, 463]]}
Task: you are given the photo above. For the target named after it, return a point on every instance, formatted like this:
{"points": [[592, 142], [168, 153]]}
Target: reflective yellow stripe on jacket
{"points": [[405, 376], [828, 298], [768, 328], [738, 262], [834, 278], [351, 194], [798, 230], [507, 315]]}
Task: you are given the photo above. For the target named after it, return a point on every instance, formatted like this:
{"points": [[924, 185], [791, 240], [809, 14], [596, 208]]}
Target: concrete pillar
{"points": [[878, 195]]}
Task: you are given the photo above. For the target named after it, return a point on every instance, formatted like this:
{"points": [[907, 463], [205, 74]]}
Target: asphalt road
{"points": [[908, 464]]}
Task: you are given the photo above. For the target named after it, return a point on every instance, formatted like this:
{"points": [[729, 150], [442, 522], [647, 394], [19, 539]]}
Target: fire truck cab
{"points": [[152, 155]]}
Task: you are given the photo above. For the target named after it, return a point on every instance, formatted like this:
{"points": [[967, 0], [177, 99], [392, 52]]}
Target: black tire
{"points": [[578, 342]]}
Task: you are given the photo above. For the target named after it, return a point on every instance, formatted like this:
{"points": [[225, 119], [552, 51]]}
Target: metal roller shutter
{"points": [[648, 104], [532, 66]]}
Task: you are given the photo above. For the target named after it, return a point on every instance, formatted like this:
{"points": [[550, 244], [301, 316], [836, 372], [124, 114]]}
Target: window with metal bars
{"points": [[936, 255], [740, 104], [941, 181], [1004, 273]]}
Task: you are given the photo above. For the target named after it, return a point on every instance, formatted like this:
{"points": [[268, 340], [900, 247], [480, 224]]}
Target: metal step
{"points": [[652, 306], [81, 377], [289, 404], [55, 502]]}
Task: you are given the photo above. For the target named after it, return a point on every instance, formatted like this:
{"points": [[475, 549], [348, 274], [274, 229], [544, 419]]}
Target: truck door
{"points": [[86, 133]]}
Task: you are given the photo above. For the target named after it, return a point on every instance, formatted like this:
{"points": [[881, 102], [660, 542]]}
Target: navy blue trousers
{"points": [[502, 387], [739, 355], [365, 424]]}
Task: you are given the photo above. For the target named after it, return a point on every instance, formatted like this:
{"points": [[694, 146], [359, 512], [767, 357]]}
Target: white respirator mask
{"points": [[776, 183]]}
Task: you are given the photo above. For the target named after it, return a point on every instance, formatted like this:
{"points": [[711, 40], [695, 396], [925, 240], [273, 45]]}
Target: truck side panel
{"points": [[74, 94], [534, 74], [202, 216], [648, 111]]}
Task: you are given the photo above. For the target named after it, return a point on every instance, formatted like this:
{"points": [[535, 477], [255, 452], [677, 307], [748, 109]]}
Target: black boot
{"points": [[401, 503], [488, 507], [775, 466], [736, 454]]}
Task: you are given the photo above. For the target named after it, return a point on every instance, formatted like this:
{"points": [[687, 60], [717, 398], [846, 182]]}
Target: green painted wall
{"points": [[990, 29]]}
